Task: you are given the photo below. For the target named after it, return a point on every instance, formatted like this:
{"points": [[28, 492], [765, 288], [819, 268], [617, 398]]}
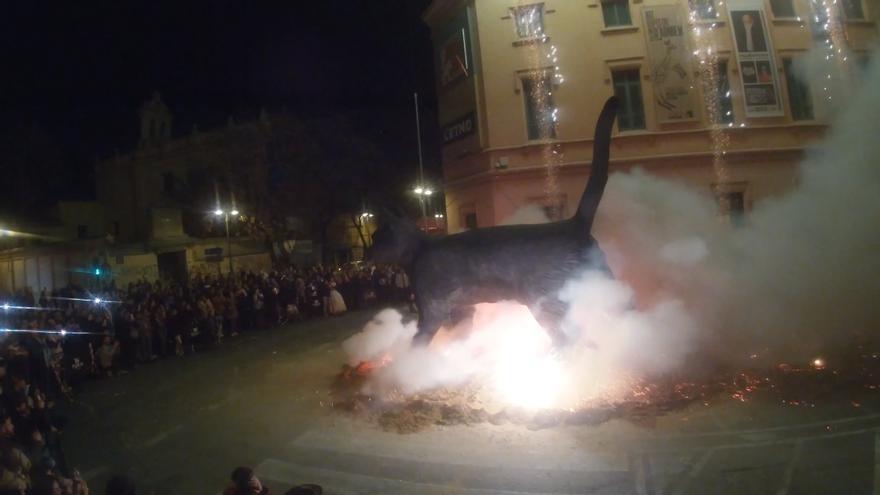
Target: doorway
{"points": [[172, 266]]}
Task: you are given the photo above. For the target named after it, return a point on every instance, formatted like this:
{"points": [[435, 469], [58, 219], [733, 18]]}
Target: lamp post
{"points": [[225, 214], [420, 189], [423, 192]]}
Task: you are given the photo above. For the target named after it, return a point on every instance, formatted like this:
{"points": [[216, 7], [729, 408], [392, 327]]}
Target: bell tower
{"points": [[155, 122]]}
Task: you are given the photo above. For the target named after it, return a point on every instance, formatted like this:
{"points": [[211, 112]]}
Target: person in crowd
{"points": [[139, 323], [336, 305], [160, 326], [401, 285], [14, 464], [120, 485], [145, 337], [258, 305], [230, 314], [245, 482], [107, 355]]}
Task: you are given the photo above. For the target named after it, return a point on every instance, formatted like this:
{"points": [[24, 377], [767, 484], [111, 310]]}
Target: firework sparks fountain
{"points": [[544, 78], [705, 53]]}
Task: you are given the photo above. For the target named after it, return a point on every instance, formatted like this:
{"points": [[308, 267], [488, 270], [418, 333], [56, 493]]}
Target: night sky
{"points": [[77, 72]]}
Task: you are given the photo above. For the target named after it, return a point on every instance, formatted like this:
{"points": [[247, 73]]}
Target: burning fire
{"points": [[503, 348], [501, 363], [524, 371]]}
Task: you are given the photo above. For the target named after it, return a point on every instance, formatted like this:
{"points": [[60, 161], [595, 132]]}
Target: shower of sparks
{"points": [[833, 41], [543, 59], [706, 54]]}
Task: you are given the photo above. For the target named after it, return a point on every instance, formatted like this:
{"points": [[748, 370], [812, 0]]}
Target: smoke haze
{"points": [[800, 279]]}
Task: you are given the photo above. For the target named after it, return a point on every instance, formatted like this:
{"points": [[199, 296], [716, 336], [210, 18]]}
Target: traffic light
{"points": [[97, 272]]}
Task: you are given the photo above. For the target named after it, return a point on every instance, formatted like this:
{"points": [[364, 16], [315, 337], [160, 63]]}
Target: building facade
{"points": [[520, 84], [166, 188], [154, 215]]}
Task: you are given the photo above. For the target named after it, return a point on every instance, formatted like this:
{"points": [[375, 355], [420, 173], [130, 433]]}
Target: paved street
{"points": [[181, 425]]}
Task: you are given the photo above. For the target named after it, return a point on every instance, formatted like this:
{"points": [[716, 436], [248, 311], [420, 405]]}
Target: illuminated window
{"points": [[799, 98], [628, 89], [529, 20], [852, 9], [782, 8], [725, 101], [703, 9], [616, 13], [540, 111]]}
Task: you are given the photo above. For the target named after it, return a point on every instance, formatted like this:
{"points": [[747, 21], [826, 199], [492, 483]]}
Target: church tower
{"points": [[155, 122]]}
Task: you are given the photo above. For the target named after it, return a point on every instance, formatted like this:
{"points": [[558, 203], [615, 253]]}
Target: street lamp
{"points": [[225, 214], [422, 192]]}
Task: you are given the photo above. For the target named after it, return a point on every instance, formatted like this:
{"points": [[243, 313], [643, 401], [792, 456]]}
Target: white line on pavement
{"points": [[93, 473], [774, 428], [345, 483], [152, 442], [877, 461], [789, 469], [641, 473], [694, 471]]}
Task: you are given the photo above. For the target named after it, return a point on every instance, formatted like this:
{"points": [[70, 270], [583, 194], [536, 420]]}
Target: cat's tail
{"points": [[589, 203]]}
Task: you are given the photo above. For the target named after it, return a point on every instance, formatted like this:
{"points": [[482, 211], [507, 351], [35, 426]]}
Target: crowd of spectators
{"points": [[52, 341]]}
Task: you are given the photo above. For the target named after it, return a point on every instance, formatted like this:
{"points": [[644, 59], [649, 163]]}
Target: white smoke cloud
{"points": [[527, 215], [385, 334], [801, 278]]}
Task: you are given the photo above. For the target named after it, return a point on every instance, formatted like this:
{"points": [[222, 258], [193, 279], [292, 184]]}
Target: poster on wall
{"points": [[668, 55], [453, 59], [755, 59]]}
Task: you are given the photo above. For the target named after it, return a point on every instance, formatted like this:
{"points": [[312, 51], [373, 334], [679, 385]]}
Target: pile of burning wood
{"points": [[646, 401]]}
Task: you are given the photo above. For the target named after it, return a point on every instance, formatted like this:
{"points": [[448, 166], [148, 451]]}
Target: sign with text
{"points": [[665, 30], [754, 54], [459, 128]]}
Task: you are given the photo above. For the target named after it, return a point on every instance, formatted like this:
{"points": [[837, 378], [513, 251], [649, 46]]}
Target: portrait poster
{"points": [[453, 58], [755, 58], [665, 29]]}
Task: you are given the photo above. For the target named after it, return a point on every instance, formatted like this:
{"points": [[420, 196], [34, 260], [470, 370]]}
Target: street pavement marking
{"points": [[344, 483], [694, 471], [152, 442], [425, 447], [877, 461], [93, 473], [722, 426], [774, 428], [765, 443], [789, 469], [641, 468]]}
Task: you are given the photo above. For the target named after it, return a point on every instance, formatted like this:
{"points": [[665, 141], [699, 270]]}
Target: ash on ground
{"points": [[468, 404]]}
